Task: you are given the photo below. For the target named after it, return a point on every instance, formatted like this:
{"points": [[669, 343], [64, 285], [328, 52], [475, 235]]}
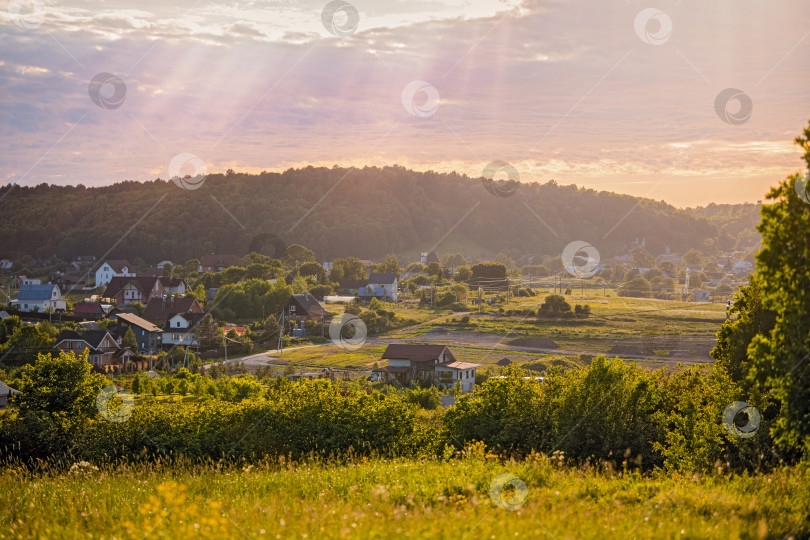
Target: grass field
{"points": [[464, 497]]}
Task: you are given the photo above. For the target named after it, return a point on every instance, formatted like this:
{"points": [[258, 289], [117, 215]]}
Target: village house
{"points": [[39, 298], [6, 264], [113, 268], [380, 285], [181, 330], [426, 365], [159, 310], [174, 285], [133, 290], [103, 349], [91, 310], [217, 263], [304, 307], [147, 334]]}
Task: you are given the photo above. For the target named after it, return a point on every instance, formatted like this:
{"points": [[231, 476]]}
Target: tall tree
{"points": [[389, 265], [781, 360]]}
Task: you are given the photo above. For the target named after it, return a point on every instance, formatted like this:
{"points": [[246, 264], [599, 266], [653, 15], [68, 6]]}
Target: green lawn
{"points": [[380, 498]]}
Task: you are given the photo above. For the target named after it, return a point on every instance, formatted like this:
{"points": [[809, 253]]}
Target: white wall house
{"points": [[180, 330], [112, 268], [39, 298], [380, 285]]}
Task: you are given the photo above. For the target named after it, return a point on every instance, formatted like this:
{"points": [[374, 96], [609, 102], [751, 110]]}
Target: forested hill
{"points": [[338, 212]]}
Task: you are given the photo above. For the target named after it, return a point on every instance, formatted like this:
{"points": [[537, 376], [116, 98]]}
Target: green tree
{"points": [[463, 273], [638, 287], [554, 305], [390, 265], [129, 340], [25, 344], [298, 254], [209, 334], [693, 257], [348, 268], [781, 360], [61, 386], [642, 258]]}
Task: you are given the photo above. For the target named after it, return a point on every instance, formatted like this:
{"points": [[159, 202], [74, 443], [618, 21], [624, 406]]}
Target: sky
{"points": [[686, 101]]}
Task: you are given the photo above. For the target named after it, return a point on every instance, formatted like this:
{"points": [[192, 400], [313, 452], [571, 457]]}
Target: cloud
{"points": [[563, 90]]}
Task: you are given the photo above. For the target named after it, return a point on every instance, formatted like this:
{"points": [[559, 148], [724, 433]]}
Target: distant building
{"points": [[428, 257], [181, 330], [427, 365], [742, 268], [102, 348], [147, 334], [305, 307], [217, 263], [134, 290], [6, 264], [113, 268], [380, 285], [39, 298], [702, 295], [160, 310]]}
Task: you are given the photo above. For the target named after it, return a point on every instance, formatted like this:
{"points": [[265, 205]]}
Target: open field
{"points": [[653, 333], [381, 498]]}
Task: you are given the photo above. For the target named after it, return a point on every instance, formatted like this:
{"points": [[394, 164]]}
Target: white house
{"points": [[425, 365], [39, 298], [380, 285], [6, 264], [180, 330], [113, 268]]}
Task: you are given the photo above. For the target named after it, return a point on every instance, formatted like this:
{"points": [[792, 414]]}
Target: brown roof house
{"points": [[103, 349], [160, 310], [132, 290], [112, 268], [426, 365], [217, 263]]}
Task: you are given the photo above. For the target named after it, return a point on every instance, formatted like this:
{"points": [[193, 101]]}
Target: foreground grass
{"points": [[398, 498]]}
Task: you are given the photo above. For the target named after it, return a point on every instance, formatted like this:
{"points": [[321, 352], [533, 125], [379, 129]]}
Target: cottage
{"points": [[113, 268], [147, 334], [181, 330], [159, 310], [6, 264], [304, 307], [380, 285], [134, 290], [103, 349], [426, 365], [217, 263], [89, 309], [39, 298], [174, 285]]}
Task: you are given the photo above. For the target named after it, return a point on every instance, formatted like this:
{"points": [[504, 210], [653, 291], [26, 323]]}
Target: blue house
{"points": [[39, 298]]}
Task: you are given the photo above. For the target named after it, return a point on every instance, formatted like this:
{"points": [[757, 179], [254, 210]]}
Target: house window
{"points": [[143, 332]]}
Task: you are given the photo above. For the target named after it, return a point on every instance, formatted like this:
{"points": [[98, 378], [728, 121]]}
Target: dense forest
{"points": [[342, 212]]}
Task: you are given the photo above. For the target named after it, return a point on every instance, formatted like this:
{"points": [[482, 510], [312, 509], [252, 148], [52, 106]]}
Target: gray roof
{"points": [[6, 390], [36, 293], [382, 278]]}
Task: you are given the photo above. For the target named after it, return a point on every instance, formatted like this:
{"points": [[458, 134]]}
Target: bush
{"points": [[553, 306], [427, 398]]}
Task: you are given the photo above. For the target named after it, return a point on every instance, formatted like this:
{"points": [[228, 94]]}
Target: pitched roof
{"points": [[158, 308], [415, 353], [461, 365], [383, 278], [36, 293], [117, 284], [134, 320], [6, 390], [118, 264], [87, 308], [308, 303], [219, 260], [173, 282], [352, 283], [92, 337]]}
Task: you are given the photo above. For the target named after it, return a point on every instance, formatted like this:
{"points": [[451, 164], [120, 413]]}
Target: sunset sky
{"points": [[616, 95]]}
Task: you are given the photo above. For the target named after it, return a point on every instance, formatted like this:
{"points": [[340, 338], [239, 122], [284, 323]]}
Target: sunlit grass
{"points": [[379, 498]]}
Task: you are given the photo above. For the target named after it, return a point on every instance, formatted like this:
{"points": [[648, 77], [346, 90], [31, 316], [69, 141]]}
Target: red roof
{"points": [[87, 308], [238, 329]]}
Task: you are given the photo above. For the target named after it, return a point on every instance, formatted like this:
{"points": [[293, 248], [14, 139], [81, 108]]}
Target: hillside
{"points": [[339, 212]]}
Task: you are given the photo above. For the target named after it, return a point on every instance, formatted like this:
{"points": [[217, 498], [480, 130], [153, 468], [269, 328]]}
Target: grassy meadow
{"points": [[462, 497]]}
